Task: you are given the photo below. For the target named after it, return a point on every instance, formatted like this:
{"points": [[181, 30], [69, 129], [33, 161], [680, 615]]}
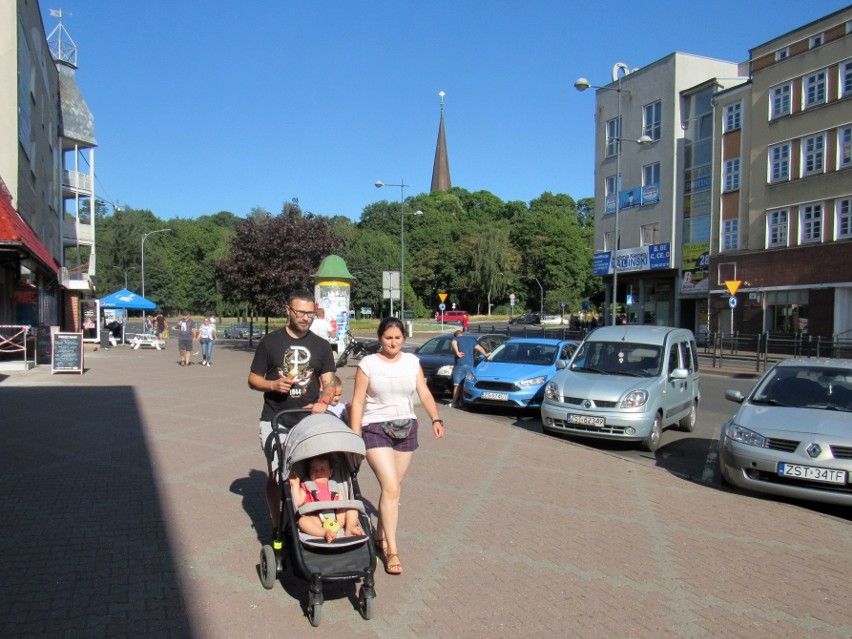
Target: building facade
{"points": [[41, 111], [644, 134], [782, 206]]}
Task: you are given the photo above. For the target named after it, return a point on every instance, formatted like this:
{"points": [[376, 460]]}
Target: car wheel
{"points": [[652, 441], [687, 424]]}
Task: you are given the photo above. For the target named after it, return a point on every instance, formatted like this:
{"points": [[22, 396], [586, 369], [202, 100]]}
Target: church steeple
{"points": [[441, 168]]}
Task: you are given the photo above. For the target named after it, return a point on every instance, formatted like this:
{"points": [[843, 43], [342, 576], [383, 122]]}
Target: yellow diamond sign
{"points": [[733, 286]]}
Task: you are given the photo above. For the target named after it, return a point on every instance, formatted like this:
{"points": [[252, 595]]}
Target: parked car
{"points": [[626, 383], [437, 359], [792, 435], [241, 331], [515, 373], [549, 320], [526, 318], [453, 317]]}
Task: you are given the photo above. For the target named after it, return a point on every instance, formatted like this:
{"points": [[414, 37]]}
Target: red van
{"points": [[453, 317]]}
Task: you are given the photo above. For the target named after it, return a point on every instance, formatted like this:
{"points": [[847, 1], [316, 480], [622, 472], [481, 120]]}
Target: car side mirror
{"points": [[734, 396], [561, 363], [679, 373]]}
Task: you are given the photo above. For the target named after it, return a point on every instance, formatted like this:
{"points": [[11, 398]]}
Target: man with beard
{"points": [[293, 368]]}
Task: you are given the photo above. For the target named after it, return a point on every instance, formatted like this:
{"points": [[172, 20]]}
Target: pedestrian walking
{"points": [[207, 335], [383, 414], [187, 334]]}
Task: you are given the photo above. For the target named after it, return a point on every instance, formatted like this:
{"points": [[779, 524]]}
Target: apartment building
{"points": [[646, 133], [782, 180], [44, 125]]}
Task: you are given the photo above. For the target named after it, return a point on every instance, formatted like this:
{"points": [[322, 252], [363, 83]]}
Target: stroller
{"points": [[314, 559]]}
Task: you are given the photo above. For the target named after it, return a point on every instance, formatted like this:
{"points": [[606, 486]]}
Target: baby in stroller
{"points": [[321, 487]]}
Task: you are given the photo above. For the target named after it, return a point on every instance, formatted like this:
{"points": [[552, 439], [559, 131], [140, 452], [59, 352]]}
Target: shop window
{"points": [[787, 311]]}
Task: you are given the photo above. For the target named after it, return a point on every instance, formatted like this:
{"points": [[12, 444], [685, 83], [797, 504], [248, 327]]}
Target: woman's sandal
{"points": [[381, 545], [393, 568]]}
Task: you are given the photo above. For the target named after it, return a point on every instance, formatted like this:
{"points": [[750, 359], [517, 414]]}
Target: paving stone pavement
{"points": [[132, 506]]}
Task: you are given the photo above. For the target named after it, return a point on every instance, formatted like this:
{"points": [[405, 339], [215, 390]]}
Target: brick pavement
{"points": [[132, 507]]}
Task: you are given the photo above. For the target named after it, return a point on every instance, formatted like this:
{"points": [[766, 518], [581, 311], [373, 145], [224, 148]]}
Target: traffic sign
{"points": [[512, 296], [442, 297], [732, 301], [442, 307], [512, 302], [733, 286]]}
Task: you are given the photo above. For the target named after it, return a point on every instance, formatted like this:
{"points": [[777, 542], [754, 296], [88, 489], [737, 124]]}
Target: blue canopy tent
{"points": [[127, 300]]}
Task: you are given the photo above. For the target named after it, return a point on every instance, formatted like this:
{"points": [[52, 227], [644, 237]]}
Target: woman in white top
{"points": [[207, 334], [383, 414]]}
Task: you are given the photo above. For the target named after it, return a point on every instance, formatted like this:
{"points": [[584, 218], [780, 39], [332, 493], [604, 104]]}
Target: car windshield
{"points": [[525, 353], [806, 387], [437, 346], [618, 358]]}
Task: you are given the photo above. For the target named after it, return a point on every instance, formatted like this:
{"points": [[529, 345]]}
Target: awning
{"points": [[16, 233], [127, 299]]}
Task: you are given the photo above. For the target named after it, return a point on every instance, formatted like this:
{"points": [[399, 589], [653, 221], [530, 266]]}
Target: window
{"points": [[844, 147], [844, 218], [608, 243], [816, 40], [730, 235], [779, 101], [610, 185], [653, 120], [787, 311], [810, 223], [779, 163], [782, 53], [813, 154], [732, 174], [650, 234], [776, 222], [613, 132], [651, 174], [733, 116], [846, 78], [814, 89]]}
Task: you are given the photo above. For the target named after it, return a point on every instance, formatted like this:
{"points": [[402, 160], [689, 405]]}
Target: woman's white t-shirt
{"points": [[389, 388]]}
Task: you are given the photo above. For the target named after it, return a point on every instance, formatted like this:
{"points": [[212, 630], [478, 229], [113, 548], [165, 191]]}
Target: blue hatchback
{"points": [[515, 373]]}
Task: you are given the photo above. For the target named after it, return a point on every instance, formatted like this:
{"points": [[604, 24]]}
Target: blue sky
{"points": [[227, 105]]}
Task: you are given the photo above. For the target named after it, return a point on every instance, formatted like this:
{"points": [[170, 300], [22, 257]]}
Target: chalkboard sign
{"points": [[67, 353], [44, 345]]}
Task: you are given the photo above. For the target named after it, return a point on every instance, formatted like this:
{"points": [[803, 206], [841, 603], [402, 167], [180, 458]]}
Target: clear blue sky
{"points": [[226, 105]]}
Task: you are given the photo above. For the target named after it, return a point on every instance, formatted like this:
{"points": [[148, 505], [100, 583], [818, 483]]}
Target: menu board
{"points": [[67, 353], [44, 345]]}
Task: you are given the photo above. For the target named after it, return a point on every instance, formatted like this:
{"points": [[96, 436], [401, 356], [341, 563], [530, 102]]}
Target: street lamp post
{"points": [[125, 270], [542, 294], [402, 186], [618, 71], [144, 237]]}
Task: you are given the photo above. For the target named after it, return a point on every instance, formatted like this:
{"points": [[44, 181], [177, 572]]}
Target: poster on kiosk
{"points": [[333, 285]]}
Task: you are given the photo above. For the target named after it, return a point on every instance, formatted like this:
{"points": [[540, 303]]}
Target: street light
{"points": [[125, 273], [619, 70], [144, 237], [542, 294], [402, 186]]}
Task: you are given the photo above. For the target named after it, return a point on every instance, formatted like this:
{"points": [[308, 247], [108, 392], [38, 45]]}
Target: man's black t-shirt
{"points": [[304, 360]]}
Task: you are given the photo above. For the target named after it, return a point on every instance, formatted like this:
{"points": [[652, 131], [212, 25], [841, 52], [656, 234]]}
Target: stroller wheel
{"points": [[268, 567], [366, 604], [315, 614]]}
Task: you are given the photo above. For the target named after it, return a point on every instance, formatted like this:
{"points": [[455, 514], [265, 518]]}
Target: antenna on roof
{"points": [[62, 46]]}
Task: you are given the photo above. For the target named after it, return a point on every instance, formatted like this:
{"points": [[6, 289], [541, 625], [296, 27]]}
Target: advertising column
{"points": [[333, 284]]}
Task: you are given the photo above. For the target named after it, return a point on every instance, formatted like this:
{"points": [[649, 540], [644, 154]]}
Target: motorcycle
{"points": [[356, 349]]}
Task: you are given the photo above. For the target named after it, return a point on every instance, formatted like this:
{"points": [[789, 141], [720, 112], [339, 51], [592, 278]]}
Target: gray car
{"points": [[792, 435], [241, 331]]}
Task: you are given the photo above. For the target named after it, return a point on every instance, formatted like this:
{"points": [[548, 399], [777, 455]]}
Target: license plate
{"points": [[811, 473], [500, 397], [586, 420]]}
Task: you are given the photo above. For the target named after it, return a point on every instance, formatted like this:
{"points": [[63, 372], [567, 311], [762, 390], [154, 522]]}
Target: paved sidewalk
{"points": [[132, 506]]}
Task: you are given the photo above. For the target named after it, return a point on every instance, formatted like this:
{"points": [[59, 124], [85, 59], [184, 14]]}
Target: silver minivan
{"points": [[626, 383]]}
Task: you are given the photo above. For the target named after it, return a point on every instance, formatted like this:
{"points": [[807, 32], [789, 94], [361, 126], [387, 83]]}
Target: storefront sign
{"points": [[695, 267], [641, 258], [639, 196]]}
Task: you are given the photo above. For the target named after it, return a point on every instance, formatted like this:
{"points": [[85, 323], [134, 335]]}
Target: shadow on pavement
{"points": [[85, 546]]}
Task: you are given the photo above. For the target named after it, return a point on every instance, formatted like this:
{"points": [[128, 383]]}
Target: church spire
{"points": [[441, 168]]}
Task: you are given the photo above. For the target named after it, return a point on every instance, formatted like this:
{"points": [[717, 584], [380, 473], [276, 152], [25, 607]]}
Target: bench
{"points": [[144, 339]]}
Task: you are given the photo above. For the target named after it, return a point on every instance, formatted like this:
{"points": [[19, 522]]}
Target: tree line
{"points": [[471, 245]]}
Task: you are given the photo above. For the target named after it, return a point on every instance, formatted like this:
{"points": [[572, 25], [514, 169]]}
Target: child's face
{"points": [[336, 399], [319, 469]]}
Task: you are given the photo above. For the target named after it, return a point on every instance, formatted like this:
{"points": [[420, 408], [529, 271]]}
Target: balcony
{"points": [[74, 182]]}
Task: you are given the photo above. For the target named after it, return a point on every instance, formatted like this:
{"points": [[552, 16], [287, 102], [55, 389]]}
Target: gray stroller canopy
{"points": [[321, 434]]}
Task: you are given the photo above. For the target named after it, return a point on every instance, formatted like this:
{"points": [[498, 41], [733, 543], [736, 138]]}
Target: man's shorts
{"points": [[459, 371], [185, 345]]}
